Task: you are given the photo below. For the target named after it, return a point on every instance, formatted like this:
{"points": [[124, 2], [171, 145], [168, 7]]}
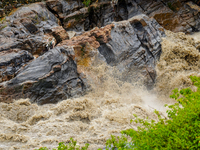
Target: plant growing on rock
{"points": [[87, 3], [71, 146]]}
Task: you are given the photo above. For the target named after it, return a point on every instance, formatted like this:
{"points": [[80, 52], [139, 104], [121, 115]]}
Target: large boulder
{"points": [[132, 45], [48, 79], [30, 28]]}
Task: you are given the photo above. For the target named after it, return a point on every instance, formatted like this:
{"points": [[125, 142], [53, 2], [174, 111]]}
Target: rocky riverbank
{"points": [[57, 71], [47, 47]]}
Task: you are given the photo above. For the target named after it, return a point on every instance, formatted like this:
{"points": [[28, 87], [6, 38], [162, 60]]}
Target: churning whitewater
{"points": [[105, 110]]}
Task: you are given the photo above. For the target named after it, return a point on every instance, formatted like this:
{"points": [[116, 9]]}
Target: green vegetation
{"points": [[180, 131], [87, 3], [71, 146]]}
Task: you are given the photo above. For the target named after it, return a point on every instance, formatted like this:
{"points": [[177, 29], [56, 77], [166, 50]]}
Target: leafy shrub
{"points": [[180, 131], [71, 146]]}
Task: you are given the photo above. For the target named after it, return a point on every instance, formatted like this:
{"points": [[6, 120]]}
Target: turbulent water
{"points": [[105, 110], [179, 60]]}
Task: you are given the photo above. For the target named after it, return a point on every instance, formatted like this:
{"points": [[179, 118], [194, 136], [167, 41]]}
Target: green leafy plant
{"points": [[180, 131], [87, 3], [71, 146], [43, 148]]}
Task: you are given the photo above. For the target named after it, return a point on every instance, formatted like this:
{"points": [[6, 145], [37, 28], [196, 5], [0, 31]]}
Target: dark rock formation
{"points": [[25, 34], [55, 74], [177, 16], [49, 78], [135, 46], [174, 15], [31, 28]]}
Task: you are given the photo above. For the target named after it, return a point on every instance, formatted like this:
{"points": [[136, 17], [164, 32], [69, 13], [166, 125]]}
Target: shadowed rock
{"points": [[48, 79], [174, 15]]}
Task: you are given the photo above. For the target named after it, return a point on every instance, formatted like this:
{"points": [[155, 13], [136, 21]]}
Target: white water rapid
{"points": [[107, 109]]}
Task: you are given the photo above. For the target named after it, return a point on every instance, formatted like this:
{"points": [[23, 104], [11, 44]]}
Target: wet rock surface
{"points": [[174, 15]]}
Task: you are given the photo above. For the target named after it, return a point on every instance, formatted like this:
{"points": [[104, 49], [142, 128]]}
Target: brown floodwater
{"points": [[105, 110]]}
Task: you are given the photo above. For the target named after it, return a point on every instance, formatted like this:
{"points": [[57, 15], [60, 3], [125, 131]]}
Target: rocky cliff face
{"points": [[176, 15], [44, 47]]}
